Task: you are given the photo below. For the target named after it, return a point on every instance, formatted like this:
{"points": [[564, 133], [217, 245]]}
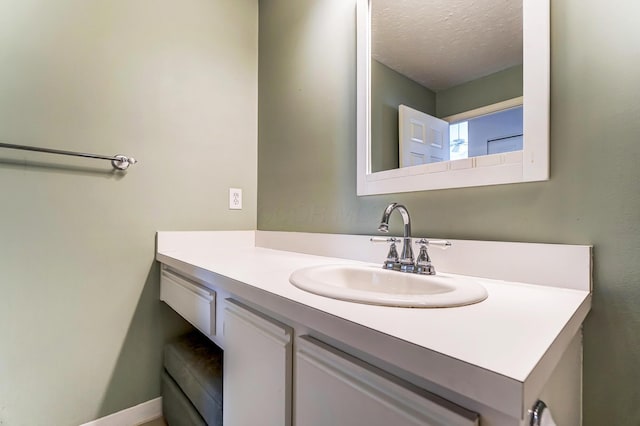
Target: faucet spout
{"points": [[406, 258]]}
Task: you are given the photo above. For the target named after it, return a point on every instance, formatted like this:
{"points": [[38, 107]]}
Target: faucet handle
{"points": [[423, 262], [385, 240], [441, 244], [392, 261]]}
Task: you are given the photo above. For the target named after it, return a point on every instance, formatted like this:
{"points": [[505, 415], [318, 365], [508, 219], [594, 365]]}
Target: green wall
{"points": [[173, 84], [487, 90], [307, 173]]}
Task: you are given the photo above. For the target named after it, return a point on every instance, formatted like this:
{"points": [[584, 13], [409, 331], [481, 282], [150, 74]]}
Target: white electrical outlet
{"points": [[235, 198]]}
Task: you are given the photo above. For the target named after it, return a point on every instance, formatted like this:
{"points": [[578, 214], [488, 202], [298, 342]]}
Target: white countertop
{"points": [[508, 333]]}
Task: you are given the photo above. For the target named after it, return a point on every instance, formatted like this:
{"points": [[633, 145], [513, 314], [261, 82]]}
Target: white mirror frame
{"points": [[528, 165]]}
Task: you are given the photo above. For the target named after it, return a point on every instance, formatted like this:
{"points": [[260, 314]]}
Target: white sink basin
{"points": [[377, 286]]}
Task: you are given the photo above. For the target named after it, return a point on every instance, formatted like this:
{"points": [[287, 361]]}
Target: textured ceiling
{"points": [[443, 43]]}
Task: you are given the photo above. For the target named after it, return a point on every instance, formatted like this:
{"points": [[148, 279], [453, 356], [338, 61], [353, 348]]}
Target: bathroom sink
{"points": [[377, 286]]}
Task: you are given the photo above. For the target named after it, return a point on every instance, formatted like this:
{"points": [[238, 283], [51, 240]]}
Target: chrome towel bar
{"points": [[119, 162]]}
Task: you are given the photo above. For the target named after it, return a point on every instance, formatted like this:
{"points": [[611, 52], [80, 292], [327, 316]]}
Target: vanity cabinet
{"points": [[334, 388], [280, 371], [294, 358], [257, 368], [328, 386]]}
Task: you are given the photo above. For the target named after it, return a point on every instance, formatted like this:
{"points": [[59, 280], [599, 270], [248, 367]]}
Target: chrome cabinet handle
{"points": [[536, 413]]}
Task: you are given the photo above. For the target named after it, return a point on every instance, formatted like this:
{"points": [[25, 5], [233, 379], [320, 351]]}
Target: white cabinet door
{"points": [[257, 369], [333, 388]]}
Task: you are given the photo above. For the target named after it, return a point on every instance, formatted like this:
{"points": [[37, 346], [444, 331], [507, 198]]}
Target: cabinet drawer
{"points": [[196, 304]]}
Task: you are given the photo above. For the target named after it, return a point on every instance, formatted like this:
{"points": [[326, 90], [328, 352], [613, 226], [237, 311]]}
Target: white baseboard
{"points": [[132, 416]]}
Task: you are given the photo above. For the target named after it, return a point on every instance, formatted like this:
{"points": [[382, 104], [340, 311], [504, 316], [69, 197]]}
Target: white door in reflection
{"points": [[423, 138]]}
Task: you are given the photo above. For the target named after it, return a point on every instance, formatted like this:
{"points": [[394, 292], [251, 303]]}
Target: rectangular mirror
{"points": [[452, 94]]}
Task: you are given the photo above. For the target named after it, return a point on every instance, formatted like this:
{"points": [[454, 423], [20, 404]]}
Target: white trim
{"points": [[533, 164], [485, 110], [363, 163], [132, 416], [536, 38]]}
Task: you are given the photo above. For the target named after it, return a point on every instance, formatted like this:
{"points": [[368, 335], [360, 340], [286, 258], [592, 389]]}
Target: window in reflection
{"points": [[459, 140], [487, 134]]}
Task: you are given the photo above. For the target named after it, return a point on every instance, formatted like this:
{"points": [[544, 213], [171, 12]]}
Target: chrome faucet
{"points": [[405, 263], [406, 258]]}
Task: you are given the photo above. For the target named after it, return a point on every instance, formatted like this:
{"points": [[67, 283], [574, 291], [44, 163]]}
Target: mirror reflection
{"points": [[446, 80]]}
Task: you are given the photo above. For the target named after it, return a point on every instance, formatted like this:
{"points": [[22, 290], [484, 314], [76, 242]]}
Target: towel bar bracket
{"points": [[122, 162]]}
